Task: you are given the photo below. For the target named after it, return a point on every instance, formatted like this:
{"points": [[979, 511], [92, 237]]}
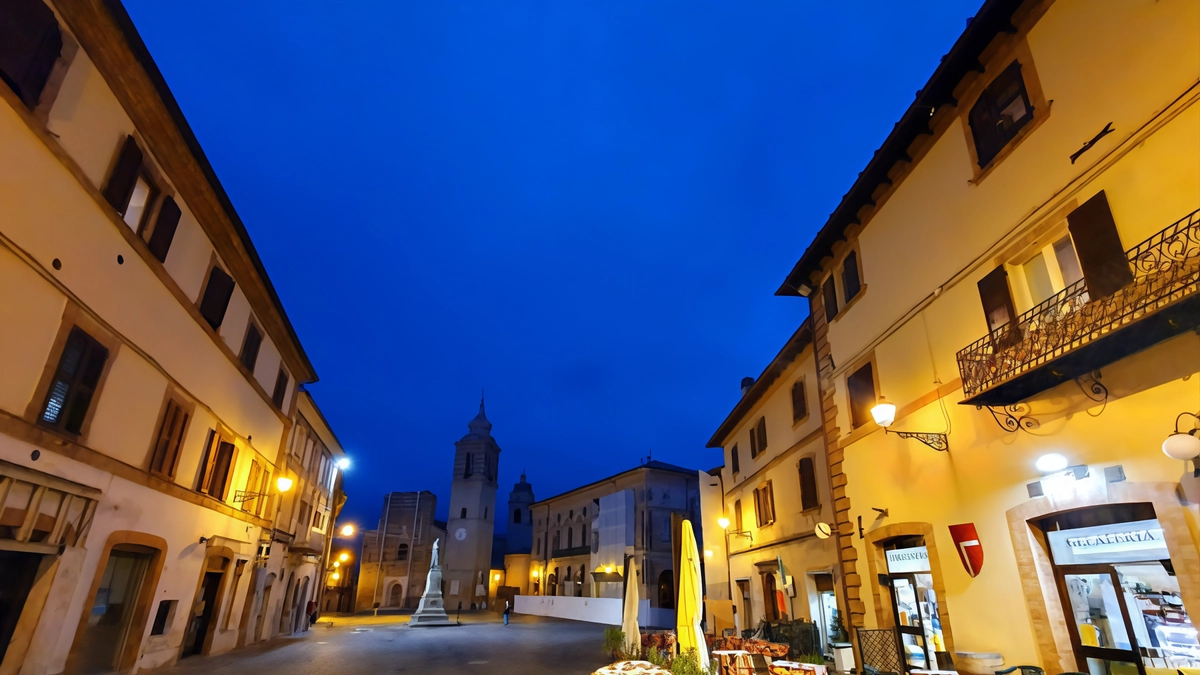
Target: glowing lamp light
{"points": [[884, 413], [1181, 446], [344, 557], [608, 570], [343, 463], [723, 522], [535, 574], [283, 483], [335, 576], [337, 564], [707, 553], [347, 530], [496, 577], [1051, 463]]}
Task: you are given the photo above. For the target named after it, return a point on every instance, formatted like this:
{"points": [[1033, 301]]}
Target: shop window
{"points": [[808, 484], [861, 387], [799, 402], [30, 43], [1002, 110], [75, 382]]}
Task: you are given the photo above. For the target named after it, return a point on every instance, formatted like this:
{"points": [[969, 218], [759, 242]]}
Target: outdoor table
{"points": [[934, 672], [734, 662]]}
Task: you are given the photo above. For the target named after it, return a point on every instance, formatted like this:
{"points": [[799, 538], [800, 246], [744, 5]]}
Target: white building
{"points": [[149, 373]]}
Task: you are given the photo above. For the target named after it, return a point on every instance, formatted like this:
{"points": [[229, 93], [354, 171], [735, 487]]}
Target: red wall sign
{"points": [[970, 551]]}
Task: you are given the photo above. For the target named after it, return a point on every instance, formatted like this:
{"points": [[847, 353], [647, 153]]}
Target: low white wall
{"points": [[595, 610]]}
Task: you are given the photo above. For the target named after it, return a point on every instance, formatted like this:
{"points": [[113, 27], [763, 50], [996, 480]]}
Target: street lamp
{"points": [[335, 576], [283, 483], [337, 564], [347, 530], [884, 414], [343, 463], [344, 556], [724, 523]]}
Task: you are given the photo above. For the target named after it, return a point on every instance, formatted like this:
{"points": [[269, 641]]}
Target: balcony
{"points": [[1070, 335], [573, 551]]}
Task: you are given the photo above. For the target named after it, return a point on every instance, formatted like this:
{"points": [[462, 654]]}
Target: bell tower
{"points": [[472, 519]]}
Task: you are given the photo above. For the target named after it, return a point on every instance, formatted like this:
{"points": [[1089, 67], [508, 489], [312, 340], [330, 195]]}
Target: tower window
{"points": [[517, 515], [463, 514], [467, 467]]}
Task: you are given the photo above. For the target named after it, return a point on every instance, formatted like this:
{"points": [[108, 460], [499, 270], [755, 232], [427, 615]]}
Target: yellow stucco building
{"points": [[1015, 271]]}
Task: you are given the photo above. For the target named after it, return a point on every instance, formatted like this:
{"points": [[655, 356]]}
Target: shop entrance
{"points": [[109, 624], [20, 570], [914, 604], [205, 608], [1119, 591]]}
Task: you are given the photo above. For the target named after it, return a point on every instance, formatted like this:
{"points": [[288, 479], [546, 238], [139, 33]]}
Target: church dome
{"points": [[479, 428]]}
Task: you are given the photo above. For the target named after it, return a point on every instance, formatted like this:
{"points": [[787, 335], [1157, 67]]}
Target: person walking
{"points": [[507, 610]]}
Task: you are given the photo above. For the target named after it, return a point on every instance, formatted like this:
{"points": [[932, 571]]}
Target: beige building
{"points": [[1015, 271], [394, 566], [774, 492], [149, 373]]}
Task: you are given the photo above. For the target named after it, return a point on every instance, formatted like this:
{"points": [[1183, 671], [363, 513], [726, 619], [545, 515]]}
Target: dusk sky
{"points": [[583, 206]]}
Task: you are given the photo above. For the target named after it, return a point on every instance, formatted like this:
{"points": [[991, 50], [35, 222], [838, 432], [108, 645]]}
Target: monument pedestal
{"points": [[431, 612]]}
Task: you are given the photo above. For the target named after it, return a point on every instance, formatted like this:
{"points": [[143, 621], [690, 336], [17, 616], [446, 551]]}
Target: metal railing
{"points": [[1166, 268]]}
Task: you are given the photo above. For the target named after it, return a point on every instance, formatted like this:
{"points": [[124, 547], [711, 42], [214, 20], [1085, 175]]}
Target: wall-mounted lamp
{"points": [[724, 523], [535, 574], [343, 463], [804, 290], [885, 413], [347, 530], [1183, 445], [241, 496]]}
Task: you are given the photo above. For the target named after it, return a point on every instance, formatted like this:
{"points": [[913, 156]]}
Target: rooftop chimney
{"points": [[747, 382]]}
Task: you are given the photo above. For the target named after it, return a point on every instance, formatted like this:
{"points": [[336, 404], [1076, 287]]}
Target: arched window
{"points": [[554, 545], [402, 552], [467, 466], [463, 514], [516, 515]]}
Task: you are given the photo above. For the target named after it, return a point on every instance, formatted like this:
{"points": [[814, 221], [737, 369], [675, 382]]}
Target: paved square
{"points": [[387, 645]]}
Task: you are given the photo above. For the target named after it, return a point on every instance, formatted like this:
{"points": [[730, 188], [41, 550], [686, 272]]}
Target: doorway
{"points": [[263, 608], [99, 647], [746, 621], [770, 596], [915, 612], [204, 611], [20, 571]]}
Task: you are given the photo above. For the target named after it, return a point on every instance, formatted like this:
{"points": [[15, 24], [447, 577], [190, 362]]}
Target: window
{"points": [[485, 513], [467, 468], [75, 382], [517, 515], [760, 432], [215, 466], [808, 485], [163, 617], [733, 459], [252, 485], [281, 385], [998, 309], [554, 547], [829, 291], [30, 43], [164, 229], [570, 537], [1001, 111], [1051, 270], [250, 345], [539, 546], [132, 192], [216, 297], [764, 504], [318, 521], [463, 514], [1105, 266], [799, 402], [753, 442], [165, 455], [306, 514], [737, 516], [861, 386], [402, 552], [851, 283]]}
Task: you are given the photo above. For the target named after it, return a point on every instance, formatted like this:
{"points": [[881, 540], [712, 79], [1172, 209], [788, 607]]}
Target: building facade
{"points": [[149, 371], [403, 552], [1015, 272], [774, 492], [582, 538]]}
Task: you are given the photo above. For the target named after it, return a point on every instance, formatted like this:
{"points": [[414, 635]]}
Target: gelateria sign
{"points": [[908, 560], [1119, 542]]}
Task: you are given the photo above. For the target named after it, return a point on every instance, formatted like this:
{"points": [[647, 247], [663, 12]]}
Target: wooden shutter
{"points": [[799, 402], [1105, 265], [220, 471], [851, 284], [830, 294], [861, 386], [124, 175], [733, 459], [170, 437], [998, 308], [164, 229], [808, 485], [216, 297], [762, 434], [75, 382], [753, 442], [737, 515], [252, 486], [770, 502], [249, 355], [281, 383], [30, 43]]}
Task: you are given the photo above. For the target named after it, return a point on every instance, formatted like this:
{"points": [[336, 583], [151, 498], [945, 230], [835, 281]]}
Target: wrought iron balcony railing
{"points": [[1070, 334]]}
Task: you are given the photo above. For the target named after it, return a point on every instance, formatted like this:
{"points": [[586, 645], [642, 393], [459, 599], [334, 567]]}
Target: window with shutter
{"points": [[121, 181], [861, 387], [250, 345], [252, 485], [998, 308], [216, 482], [737, 516], [281, 385], [1002, 110], [808, 484], [753, 442], [829, 291], [75, 381], [733, 459], [30, 43], [164, 229], [851, 283], [467, 466], [799, 402], [762, 434], [216, 297], [170, 436], [1105, 265], [769, 503]]}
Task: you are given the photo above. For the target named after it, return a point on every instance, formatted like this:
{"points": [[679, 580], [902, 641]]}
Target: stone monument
{"points": [[431, 612]]}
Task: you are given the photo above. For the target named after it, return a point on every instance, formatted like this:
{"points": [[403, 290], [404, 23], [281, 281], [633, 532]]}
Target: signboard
{"points": [[970, 551], [454, 587], [907, 560], [1119, 542]]}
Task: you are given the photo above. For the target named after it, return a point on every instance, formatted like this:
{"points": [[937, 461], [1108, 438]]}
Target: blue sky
{"points": [[583, 206]]}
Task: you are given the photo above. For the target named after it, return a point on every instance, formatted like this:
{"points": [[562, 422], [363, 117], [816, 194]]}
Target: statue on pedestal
{"points": [[431, 612]]}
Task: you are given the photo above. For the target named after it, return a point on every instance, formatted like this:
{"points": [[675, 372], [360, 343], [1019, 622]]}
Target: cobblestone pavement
{"points": [[386, 645]]}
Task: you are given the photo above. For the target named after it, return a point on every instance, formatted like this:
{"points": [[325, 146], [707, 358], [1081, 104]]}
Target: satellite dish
{"points": [[822, 530]]}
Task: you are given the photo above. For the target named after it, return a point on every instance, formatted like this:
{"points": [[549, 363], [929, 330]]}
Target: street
{"points": [[385, 645]]}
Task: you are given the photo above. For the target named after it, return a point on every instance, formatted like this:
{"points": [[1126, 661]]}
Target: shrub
{"points": [[811, 658], [688, 663], [614, 642]]}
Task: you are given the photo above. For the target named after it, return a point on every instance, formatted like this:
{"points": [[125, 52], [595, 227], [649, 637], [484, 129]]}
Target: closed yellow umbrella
{"points": [[689, 611], [629, 617]]}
